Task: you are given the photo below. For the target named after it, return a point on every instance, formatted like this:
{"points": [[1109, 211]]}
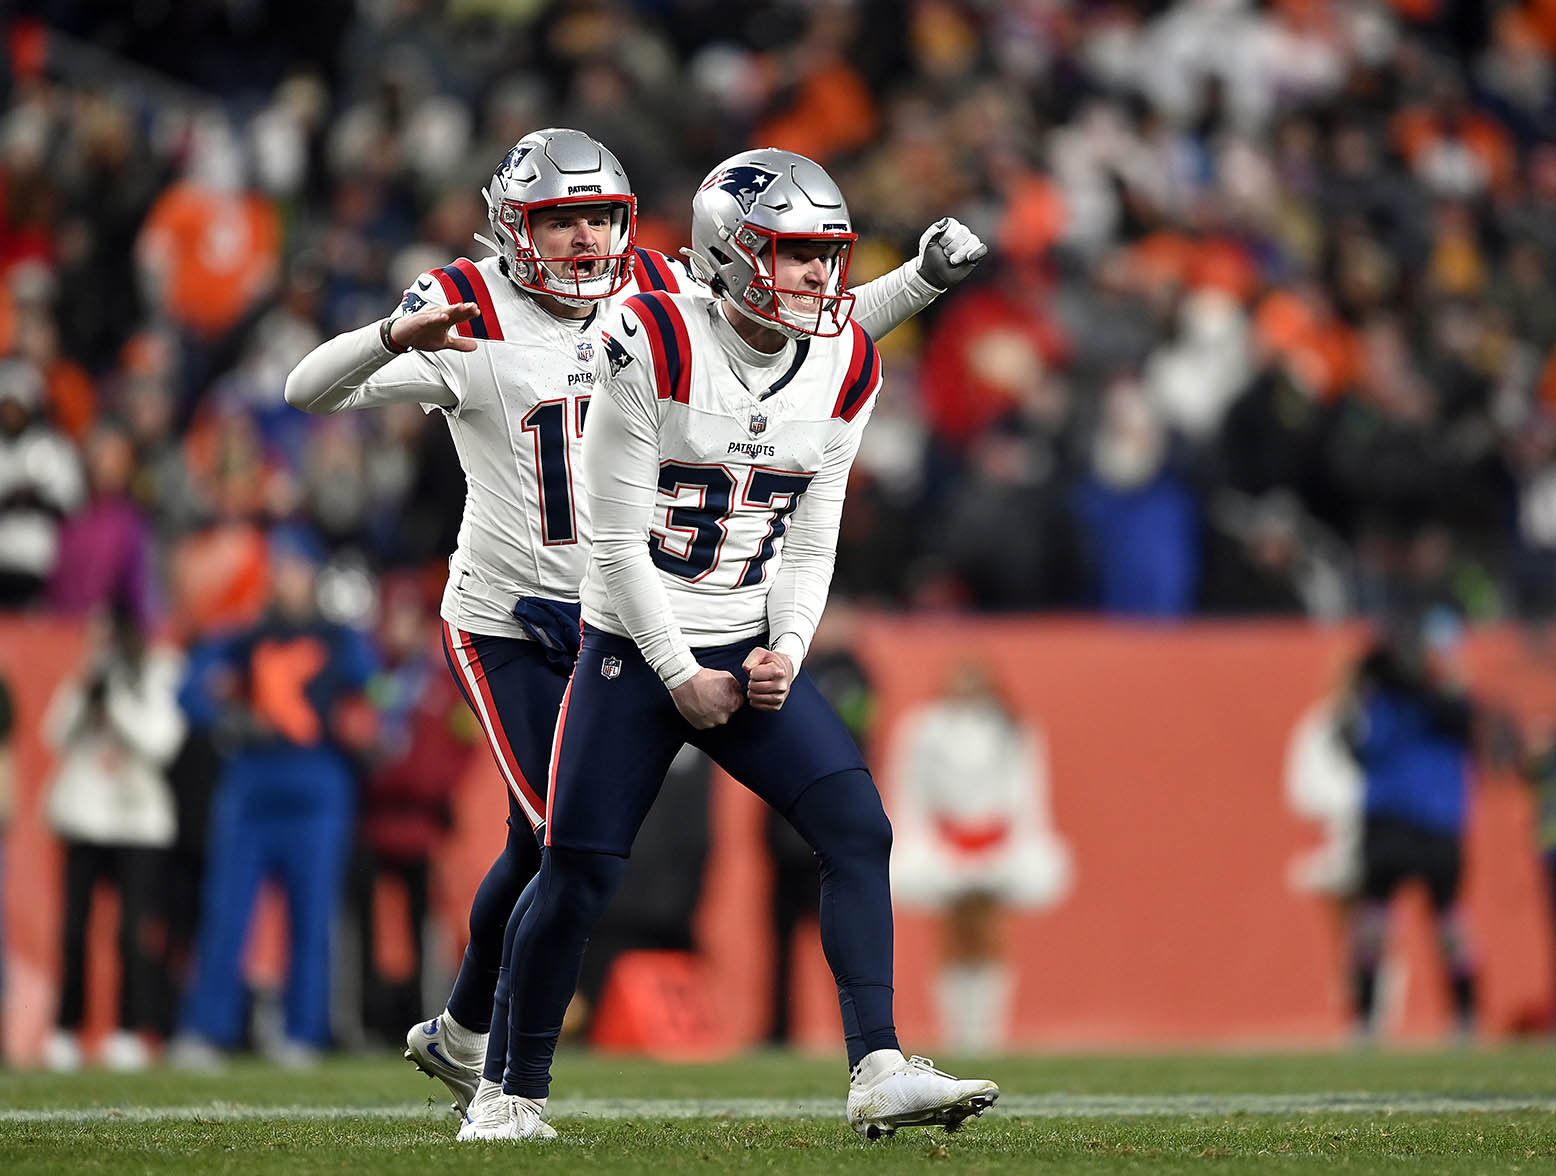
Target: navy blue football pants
{"points": [[515, 695], [619, 730]]}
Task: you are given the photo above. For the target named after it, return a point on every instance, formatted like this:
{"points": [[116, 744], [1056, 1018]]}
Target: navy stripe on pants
{"points": [[515, 696]]}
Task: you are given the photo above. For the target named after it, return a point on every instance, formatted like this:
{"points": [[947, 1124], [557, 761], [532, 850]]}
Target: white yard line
{"points": [[1044, 1106]]}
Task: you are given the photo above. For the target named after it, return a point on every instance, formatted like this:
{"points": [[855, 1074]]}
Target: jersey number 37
{"points": [[697, 525]]}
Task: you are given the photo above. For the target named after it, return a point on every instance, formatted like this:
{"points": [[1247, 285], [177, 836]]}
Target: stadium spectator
{"points": [[1138, 519], [105, 555], [426, 733], [115, 728], [1411, 727], [283, 697], [40, 483], [974, 841], [208, 248]]}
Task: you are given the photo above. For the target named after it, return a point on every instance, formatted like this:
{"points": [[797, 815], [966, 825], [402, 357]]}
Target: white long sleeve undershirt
{"points": [[355, 370], [621, 470]]}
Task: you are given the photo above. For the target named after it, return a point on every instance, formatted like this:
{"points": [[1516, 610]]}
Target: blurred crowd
{"points": [[1267, 327]]}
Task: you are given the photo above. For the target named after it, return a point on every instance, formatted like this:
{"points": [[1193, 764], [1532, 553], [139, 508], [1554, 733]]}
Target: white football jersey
{"points": [[515, 408], [716, 478]]}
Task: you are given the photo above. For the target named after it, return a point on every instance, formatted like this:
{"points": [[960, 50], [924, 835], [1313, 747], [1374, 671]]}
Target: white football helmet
{"points": [[547, 169], [747, 207]]}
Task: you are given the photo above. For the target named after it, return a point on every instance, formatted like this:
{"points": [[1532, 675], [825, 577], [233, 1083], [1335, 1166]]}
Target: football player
{"points": [[507, 348], [715, 464]]}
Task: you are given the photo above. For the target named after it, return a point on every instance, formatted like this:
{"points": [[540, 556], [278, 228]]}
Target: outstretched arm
{"points": [[394, 361], [948, 251]]}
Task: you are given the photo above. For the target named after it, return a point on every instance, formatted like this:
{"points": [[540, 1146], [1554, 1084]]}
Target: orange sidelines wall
{"points": [[1167, 748]]}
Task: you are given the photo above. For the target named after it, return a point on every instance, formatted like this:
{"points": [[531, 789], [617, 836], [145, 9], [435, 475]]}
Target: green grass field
{"points": [[1466, 1111]]}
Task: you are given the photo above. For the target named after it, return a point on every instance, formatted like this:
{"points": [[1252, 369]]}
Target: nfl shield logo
{"points": [[758, 424], [610, 666], [585, 350]]}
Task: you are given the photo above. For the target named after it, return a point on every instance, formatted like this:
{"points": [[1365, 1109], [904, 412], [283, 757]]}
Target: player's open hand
{"points": [[708, 699], [772, 674], [432, 328]]}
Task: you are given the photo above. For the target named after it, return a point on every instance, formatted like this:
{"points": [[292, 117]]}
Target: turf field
{"points": [[1466, 1111]]}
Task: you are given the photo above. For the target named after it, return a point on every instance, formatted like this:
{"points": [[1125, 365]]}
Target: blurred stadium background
{"points": [[1263, 360]]}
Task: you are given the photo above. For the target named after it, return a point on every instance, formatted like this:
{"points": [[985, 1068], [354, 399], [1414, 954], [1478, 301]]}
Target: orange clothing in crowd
{"points": [[220, 578], [832, 113], [1034, 217], [1419, 10], [1548, 383], [1217, 263], [216, 254], [72, 397], [661, 233], [1416, 130], [1324, 351], [1541, 15]]}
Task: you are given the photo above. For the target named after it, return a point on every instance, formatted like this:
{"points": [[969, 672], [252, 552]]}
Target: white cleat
{"points": [[62, 1052], [125, 1052], [426, 1046], [504, 1116], [888, 1091]]}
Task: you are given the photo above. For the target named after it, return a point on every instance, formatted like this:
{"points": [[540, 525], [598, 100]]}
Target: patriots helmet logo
{"points": [[615, 353], [745, 182], [758, 423], [585, 350], [512, 160]]}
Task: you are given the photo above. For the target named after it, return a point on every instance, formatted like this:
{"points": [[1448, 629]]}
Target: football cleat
{"points": [[426, 1047], [505, 1116], [125, 1052], [62, 1052], [888, 1091]]}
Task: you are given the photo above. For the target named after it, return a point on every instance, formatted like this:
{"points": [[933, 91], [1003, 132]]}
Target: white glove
{"points": [[947, 252]]}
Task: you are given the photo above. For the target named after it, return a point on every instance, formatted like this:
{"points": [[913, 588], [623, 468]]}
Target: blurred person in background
{"points": [[284, 698], [193, 776], [70, 394], [209, 248], [105, 551], [40, 484], [1138, 518], [114, 729], [426, 736], [1322, 783], [974, 841], [1411, 726]]}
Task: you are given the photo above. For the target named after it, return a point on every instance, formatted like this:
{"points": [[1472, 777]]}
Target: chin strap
{"points": [[483, 239], [701, 268]]}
